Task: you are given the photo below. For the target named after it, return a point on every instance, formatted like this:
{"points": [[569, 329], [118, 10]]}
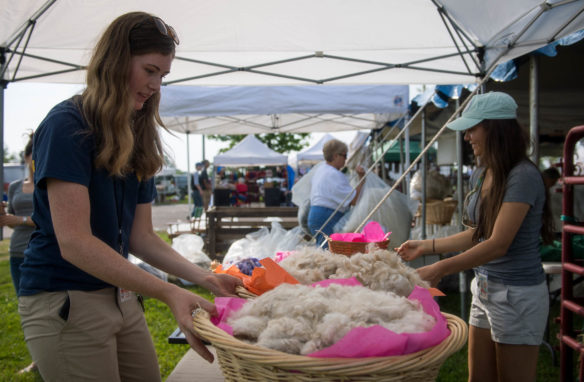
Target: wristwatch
{"points": [[24, 220]]}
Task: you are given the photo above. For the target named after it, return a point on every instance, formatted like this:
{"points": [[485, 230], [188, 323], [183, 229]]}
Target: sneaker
{"points": [[28, 369]]}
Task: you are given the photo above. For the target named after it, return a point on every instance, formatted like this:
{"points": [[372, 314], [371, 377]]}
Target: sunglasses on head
{"points": [[165, 29]]}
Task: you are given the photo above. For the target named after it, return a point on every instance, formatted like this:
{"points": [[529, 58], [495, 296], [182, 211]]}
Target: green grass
{"points": [[14, 355]]}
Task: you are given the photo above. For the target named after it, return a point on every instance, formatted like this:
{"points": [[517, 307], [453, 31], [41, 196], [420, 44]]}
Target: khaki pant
{"points": [[100, 336], [206, 198]]}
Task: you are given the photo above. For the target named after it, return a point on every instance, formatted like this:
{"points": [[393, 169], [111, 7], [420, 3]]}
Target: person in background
{"points": [[240, 192], [330, 187], [507, 213], [95, 157], [205, 184], [18, 217], [550, 178], [197, 191]]}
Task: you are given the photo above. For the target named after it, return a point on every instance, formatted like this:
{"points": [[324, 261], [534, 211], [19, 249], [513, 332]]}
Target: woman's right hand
{"points": [[410, 250], [182, 305]]}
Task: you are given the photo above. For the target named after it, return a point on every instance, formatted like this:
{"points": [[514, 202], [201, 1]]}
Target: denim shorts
{"points": [[515, 315], [317, 216]]}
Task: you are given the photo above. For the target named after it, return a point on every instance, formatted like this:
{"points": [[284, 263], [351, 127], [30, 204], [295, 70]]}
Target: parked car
{"points": [[181, 184], [165, 186], [12, 172]]}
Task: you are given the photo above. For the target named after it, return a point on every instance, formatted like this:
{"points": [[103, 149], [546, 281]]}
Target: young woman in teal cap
{"points": [[506, 213]]}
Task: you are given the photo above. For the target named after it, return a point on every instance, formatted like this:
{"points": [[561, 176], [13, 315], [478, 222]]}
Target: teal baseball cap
{"points": [[492, 105]]}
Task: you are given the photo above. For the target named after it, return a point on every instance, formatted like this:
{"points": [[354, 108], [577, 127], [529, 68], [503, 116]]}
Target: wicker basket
{"points": [[440, 212], [240, 361], [349, 248], [244, 293]]}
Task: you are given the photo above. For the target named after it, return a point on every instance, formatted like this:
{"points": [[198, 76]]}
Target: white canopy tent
{"points": [[313, 154], [250, 152], [276, 42]]}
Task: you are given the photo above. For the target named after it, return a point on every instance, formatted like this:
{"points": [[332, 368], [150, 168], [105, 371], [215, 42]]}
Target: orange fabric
{"points": [[233, 271], [268, 277], [261, 279], [435, 292]]}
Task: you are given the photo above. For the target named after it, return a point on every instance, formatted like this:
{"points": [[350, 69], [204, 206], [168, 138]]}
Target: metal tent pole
{"points": [[189, 175], [533, 108], [424, 170], [2, 89], [408, 159], [460, 192]]}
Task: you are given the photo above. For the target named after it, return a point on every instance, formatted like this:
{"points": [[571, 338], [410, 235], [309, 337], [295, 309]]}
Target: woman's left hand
{"points": [[431, 274], [222, 285], [9, 220]]}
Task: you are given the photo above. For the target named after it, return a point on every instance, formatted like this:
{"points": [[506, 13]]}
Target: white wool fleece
{"points": [[379, 269], [300, 319]]}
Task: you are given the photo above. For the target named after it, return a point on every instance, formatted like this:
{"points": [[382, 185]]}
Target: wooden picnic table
{"points": [[227, 224]]}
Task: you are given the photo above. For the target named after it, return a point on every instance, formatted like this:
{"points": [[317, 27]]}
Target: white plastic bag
{"points": [[148, 268], [264, 243], [395, 214], [190, 246]]}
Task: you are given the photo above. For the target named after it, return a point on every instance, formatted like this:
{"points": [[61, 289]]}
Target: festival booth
{"points": [[277, 43], [226, 222], [251, 152]]}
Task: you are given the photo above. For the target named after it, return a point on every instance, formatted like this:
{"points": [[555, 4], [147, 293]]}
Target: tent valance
{"points": [[283, 109]]}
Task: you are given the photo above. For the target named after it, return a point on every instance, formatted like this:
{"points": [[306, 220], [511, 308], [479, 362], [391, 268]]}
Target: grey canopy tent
{"points": [[281, 109]]}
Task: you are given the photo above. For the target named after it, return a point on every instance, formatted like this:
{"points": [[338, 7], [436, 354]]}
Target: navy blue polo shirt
{"points": [[63, 149]]}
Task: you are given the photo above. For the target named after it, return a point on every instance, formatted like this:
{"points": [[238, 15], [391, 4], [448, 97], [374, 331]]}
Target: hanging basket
{"points": [[440, 211], [240, 361]]}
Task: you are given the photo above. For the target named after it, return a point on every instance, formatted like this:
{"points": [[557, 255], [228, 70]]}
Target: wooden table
{"points": [[227, 224]]}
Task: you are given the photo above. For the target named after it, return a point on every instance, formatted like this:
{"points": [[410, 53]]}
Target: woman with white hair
{"points": [[329, 189]]}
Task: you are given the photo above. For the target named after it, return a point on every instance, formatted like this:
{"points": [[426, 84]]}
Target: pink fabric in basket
{"points": [[374, 341], [349, 236], [372, 232], [282, 255]]}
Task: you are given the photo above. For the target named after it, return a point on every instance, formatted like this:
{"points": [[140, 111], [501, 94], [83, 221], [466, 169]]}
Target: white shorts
{"points": [[515, 315]]}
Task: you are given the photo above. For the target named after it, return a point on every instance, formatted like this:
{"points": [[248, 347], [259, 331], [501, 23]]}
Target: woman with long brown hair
{"points": [[95, 157], [507, 214]]}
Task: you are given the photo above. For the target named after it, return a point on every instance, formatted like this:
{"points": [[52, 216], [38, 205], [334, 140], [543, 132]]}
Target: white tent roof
{"points": [[314, 153], [276, 42], [292, 109], [250, 152]]}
